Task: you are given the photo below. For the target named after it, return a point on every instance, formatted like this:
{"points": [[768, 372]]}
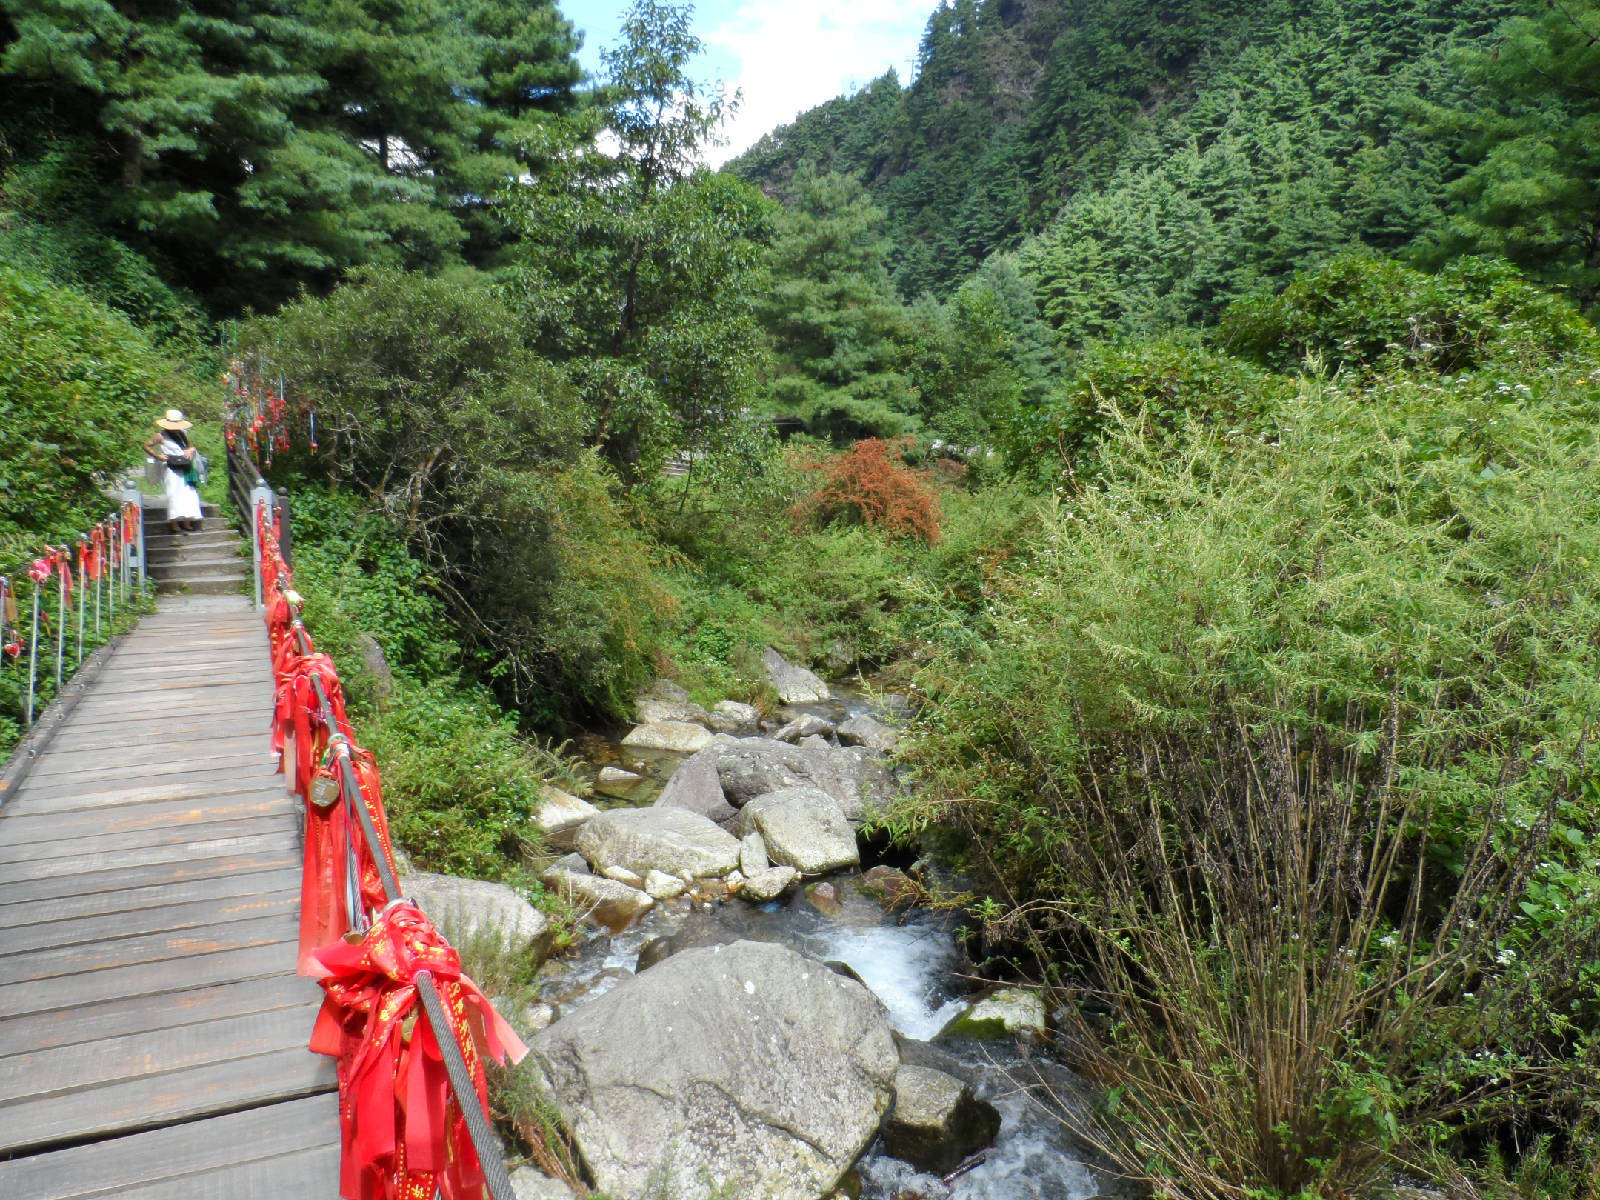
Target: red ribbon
{"points": [[403, 1133], [41, 569]]}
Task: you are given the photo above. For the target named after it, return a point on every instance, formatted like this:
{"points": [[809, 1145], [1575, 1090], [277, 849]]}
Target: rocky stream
{"points": [[749, 1013]]}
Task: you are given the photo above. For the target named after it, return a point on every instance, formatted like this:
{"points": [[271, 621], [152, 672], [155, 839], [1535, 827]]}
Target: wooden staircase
{"points": [[209, 561]]}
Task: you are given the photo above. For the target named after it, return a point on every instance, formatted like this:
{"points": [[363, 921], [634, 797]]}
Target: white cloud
{"points": [[796, 55]]}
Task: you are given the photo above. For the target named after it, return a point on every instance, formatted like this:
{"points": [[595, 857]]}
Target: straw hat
{"points": [[174, 420]]}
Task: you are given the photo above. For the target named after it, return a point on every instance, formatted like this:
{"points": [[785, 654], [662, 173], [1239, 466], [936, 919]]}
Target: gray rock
{"points": [[751, 767], [530, 1183], [745, 1067], [865, 731], [816, 742], [648, 712], [559, 816], [663, 689], [614, 781], [802, 827], [622, 875], [753, 854], [682, 737], [794, 685], [768, 885], [730, 716], [936, 1121], [696, 786], [469, 908], [662, 886], [804, 726], [1003, 1012], [895, 706], [604, 901], [377, 664], [574, 863], [673, 840]]}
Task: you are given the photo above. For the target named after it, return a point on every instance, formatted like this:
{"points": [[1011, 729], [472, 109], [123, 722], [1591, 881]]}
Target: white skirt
{"points": [[183, 501]]}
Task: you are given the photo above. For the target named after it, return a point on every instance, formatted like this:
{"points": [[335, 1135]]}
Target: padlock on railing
{"points": [[326, 788]]}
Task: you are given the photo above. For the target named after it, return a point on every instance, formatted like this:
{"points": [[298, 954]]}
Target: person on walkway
{"points": [[172, 447]]}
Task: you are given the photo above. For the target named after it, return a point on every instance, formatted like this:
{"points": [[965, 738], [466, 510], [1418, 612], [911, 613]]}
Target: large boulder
{"points": [[730, 716], [530, 1183], [868, 732], [696, 786], [681, 737], [744, 1067], [803, 828], [751, 767], [1003, 1012], [794, 685], [937, 1121], [804, 726], [647, 712], [468, 908], [604, 901], [559, 815], [673, 840]]}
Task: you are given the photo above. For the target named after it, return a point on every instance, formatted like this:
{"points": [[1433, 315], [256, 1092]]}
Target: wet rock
{"points": [[605, 901], [530, 1183], [662, 886], [936, 1120], [745, 1067], [753, 854], [730, 716], [894, 888], [681, 737], [623, 875], [824, 898], [865, 731], [751, 767], [672, 840], [614, 781], [794, 685], [559, 816], [768, 884], [804, 726], [469, 908], [1002, 1013], [697, 786], [648, 712], [802, 827]]}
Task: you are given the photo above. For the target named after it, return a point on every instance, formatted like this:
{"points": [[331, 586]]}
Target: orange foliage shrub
{"points": [[869, 484]]}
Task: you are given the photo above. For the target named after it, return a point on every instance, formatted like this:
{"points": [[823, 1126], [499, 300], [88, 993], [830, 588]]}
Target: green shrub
{"points": [[1278, 764], [1359, 311]]}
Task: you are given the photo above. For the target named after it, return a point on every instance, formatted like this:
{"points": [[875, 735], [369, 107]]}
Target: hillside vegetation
{"points": [[1192, 406]]}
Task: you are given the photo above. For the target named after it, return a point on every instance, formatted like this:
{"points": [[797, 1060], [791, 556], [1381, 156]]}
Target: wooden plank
{"points": [[110, 953], [281, 824], [147, 979], [103, 905], [104, 927], [106, 860], [309, 1173], [115, 823], [67, 758], [185, 788], [197, 766], [122, 1016], [155, 1100], [79, 1065], [59, 886], [112, 735], [199, 1150]]}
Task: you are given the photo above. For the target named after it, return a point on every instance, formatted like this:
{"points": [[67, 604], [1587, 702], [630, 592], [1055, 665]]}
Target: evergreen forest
{"points": [[1194, 407]]}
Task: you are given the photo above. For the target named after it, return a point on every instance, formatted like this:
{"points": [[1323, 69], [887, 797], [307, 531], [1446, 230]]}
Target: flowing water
{"points": [[911, 964]]}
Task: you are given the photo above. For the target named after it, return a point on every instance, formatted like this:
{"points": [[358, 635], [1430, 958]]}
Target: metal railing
{"points": [[267, 528]]}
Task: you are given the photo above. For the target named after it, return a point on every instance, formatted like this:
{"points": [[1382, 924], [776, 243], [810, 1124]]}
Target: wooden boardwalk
{"points": [[152, 1031]]}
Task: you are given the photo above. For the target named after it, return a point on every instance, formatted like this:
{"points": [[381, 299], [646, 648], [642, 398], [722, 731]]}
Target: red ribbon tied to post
{"points": [[403, 1133]]}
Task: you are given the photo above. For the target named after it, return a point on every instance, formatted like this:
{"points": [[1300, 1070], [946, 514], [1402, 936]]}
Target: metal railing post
{"points": [[132, 495], [260, 494], [83, 589], [285, 533], [33, 655]]}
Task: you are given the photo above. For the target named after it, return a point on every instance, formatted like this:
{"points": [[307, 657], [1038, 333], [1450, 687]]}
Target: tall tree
{"points": [[637, 266]]}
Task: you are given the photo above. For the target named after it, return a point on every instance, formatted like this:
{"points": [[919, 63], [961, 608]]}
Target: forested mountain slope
{"points": [[1149, 143]]}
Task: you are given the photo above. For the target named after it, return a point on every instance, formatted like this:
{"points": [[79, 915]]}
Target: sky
{"points": [[785, 56]]}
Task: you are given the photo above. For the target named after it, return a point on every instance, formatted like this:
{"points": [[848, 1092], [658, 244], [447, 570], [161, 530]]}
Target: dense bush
{"points": [[1278, 762], [431, 407], [869, 484], [1360, 311]]}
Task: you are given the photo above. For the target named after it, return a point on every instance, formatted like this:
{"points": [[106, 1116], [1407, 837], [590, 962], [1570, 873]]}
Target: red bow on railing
{"points": [[403, 1133]]}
